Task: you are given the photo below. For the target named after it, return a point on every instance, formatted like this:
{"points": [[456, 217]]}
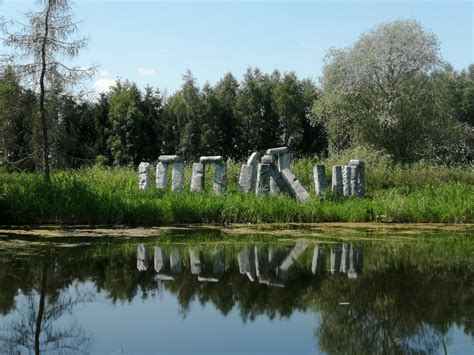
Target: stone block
{"points": [[320, 181], [346, 180], [283, 161], [197, 178], [169, 159], [298, 191], [144, 175], [263, 179], [247, 177], [216, 159], [337, 180], [267, 159], [277, 151], [161, 175], [220, 179], [177, 177], [353, 180]]}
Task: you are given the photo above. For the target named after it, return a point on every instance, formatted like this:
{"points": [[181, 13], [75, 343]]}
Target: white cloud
{"points": [[145, 71], [103, 85], [104, 73]]}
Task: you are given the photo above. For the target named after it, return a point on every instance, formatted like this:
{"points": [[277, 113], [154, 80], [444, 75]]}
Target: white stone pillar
{"points": [[337, 180], [197, 178], [161, 175], [220, 178], [320, 181], [144, 175], [177, 177]]}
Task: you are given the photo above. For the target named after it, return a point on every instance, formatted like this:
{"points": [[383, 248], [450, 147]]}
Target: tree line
{"points": [[128, 125]]}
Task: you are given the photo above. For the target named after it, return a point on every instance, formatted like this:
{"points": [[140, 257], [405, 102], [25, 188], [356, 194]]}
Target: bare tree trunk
{"points": [[44, 123], [39, 318]]}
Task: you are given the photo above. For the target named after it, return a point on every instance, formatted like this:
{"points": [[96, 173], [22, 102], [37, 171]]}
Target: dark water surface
{"points": [[209, 292]]}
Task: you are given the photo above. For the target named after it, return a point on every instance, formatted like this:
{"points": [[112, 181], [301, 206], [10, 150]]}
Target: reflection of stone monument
{"points": [[195, 261], [246, 260], [175, 261], [159, 259], [355, 262], [290, 260], [335, 260], [344, 259], [142, 262], [317, 264]]}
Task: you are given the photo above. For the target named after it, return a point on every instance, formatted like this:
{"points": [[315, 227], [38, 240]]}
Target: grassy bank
{"points": [[420, 193]]}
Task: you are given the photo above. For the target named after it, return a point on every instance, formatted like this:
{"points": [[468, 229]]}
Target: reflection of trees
{"points": [[35, 324], [394, 310], [397, 303]]}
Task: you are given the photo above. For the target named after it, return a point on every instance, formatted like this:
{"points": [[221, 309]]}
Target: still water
{"points": [[208, 292]]}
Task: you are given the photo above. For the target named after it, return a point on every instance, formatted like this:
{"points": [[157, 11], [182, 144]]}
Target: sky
{"points": [[156, 42]]}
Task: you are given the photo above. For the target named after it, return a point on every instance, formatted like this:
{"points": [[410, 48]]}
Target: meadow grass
{"points": [[101, 196]]}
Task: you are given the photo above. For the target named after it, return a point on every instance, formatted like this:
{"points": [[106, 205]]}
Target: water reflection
{"points": [[364, 299], [262, 264]]}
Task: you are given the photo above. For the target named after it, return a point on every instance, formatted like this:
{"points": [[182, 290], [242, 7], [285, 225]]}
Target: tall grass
{"points": [[105, 196]]}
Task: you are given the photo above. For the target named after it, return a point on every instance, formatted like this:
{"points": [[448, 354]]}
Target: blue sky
{"points": [[155, 42]]}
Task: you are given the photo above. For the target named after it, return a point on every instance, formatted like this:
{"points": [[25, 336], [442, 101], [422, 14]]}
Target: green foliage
{"points": [[16, 109]]}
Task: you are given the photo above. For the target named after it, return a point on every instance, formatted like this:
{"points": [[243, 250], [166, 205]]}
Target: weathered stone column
{"points": [[346, 180], [161, 175], [337, 180], [320, 181], [197, 178], [248, 174], [263, 179], [220, 178], [295, 185], [177, 177], [277, 184], [144, 175], [359, 176]]}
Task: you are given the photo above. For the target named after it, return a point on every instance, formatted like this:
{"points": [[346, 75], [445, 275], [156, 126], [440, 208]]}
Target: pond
{"points": [[241, 290]]}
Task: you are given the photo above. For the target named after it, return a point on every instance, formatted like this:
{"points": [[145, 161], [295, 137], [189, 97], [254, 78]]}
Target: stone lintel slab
{"points": [[213, 159], [356, 162], [278, 151], [169, 159]]}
